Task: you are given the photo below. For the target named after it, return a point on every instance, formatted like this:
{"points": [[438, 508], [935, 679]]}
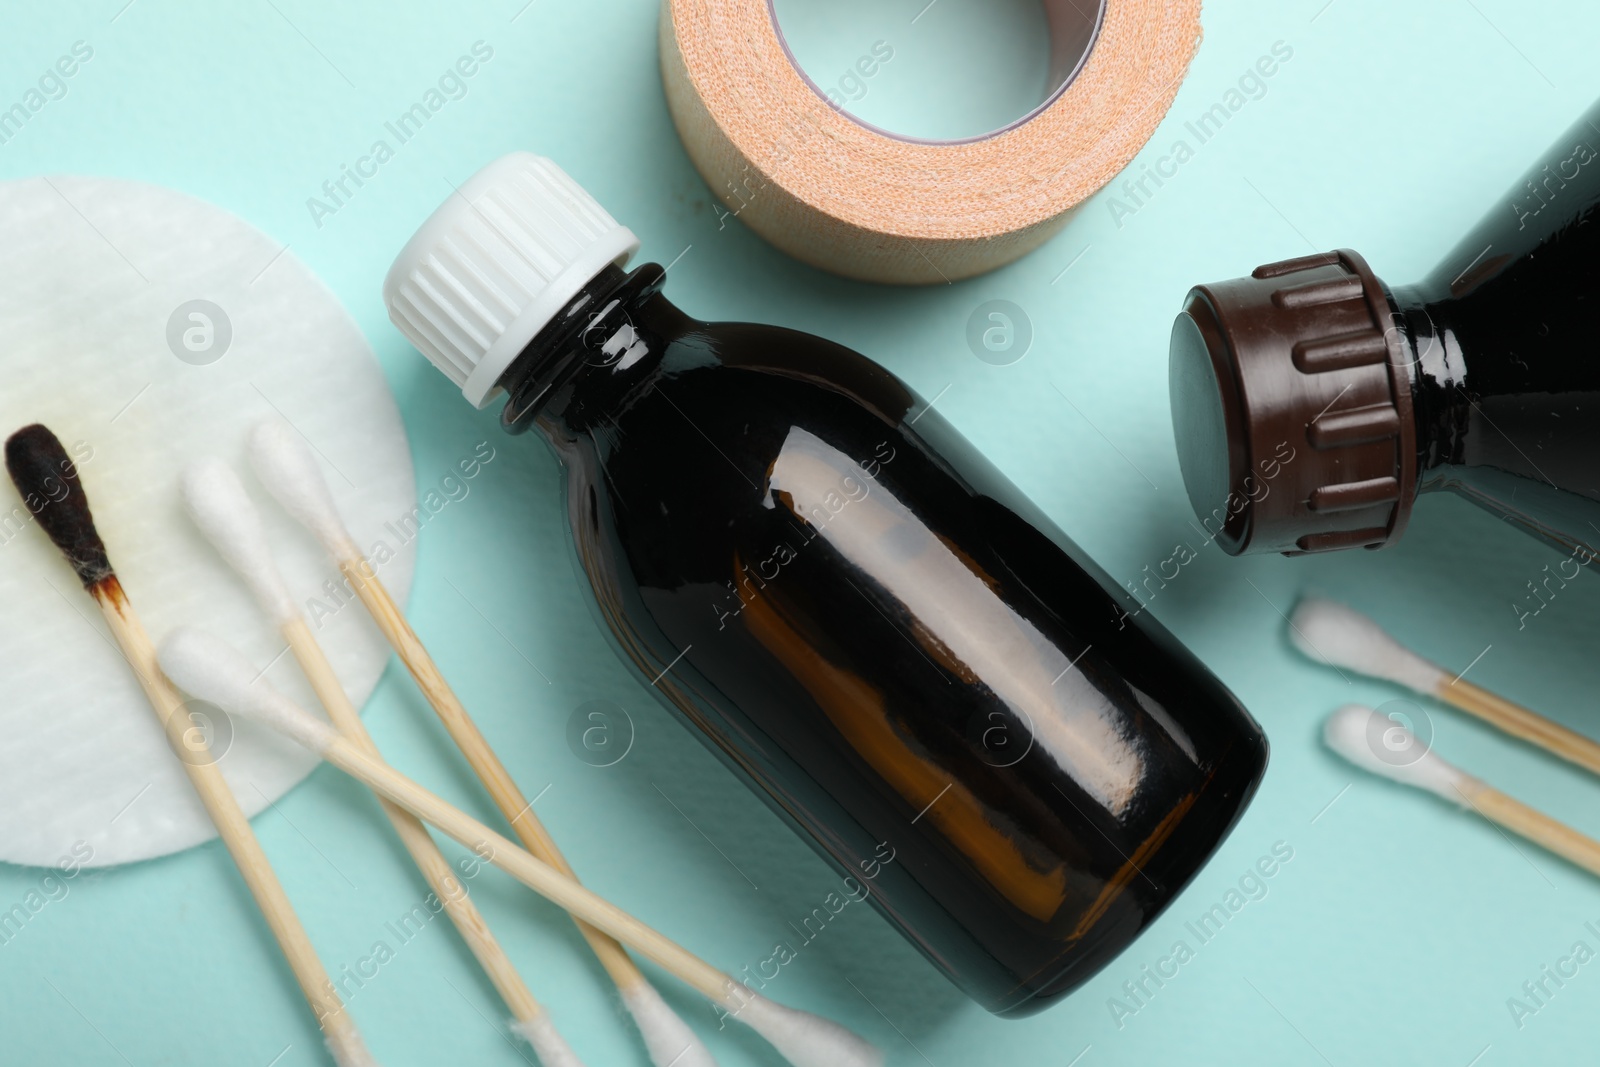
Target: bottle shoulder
{"points": [[708, 353]]}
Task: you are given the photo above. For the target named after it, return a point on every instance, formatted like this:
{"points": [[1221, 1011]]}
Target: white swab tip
{"points": [[1383, 746], [286, 466], [805, 1040], [1330, 632], [220, 506], [207, 667], [546, 1041], [1345, 731], [348, 1049], [1314, 617], [667, 1037]]}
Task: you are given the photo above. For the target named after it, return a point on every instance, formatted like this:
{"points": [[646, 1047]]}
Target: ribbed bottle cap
{"points": [[495, 263], [1291, 404]]}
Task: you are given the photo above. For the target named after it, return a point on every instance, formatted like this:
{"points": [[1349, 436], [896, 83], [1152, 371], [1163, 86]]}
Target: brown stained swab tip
{"points": [[47, 480]]}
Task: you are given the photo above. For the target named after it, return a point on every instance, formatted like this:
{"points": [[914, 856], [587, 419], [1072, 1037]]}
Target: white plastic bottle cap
{"points": [[495, 263]]}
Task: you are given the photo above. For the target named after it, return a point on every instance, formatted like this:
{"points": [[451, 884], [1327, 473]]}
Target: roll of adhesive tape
{"points": [[862, 202]]}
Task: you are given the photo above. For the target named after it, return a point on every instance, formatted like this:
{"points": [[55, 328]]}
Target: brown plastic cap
{"points": [[1291, 403]]}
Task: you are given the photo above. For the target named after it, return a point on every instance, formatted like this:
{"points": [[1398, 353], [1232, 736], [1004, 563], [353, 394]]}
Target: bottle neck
{"points": [[1440, 404], [612, 331], [1503, 330], [1502, 372]]}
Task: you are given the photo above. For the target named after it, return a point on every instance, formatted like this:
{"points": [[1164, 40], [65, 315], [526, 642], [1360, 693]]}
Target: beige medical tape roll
{"points": [[861, 202]]}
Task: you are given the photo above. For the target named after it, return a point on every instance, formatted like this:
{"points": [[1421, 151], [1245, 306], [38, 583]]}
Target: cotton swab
{"points": [[1357, 733], [48, 482], [224, 512], [210, 669], [1331, 633], [286, 466]]}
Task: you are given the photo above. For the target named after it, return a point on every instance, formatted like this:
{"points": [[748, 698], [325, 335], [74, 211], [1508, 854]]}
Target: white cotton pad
{"points": [[100, 340]]}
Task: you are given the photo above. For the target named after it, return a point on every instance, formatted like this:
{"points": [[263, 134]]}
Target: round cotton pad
{"points": [[149, 329]]}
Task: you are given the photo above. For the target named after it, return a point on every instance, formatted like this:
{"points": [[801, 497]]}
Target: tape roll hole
{"points": [[940, 72]]}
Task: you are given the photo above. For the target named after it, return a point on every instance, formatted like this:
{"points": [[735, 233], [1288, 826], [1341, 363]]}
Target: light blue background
{"points": [[1394, 935]]}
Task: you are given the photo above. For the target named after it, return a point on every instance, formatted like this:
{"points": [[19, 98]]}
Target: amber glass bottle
{"points": [[1482, 379], [848, 604]]}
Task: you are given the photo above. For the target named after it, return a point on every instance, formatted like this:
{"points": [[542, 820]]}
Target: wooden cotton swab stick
{"points": [[1359, 734], [209, 668], [48, 482], [219, 505], [1331, 633], [285, 465]]}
